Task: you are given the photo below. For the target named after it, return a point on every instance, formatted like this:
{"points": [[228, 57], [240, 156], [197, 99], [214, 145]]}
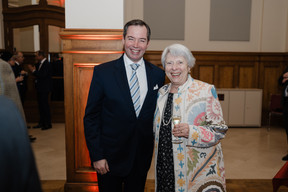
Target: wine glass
{"points": [[176, 119]]}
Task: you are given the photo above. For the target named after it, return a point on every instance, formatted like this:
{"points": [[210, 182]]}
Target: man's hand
{"points": [[31, 68], [20, 78], [101, 166], [285, 77], [24, 73]]}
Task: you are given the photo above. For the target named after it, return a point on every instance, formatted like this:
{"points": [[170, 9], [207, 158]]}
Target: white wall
{"points": [[24, 38], [269, 23], [274, 26], [286, 41], [94, 14], [268, 32], [27, 38]]}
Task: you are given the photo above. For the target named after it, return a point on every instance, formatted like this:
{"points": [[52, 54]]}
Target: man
{"points": [[283, 81], [20, 74], [18, 167], [119, 135], [43, 84]]}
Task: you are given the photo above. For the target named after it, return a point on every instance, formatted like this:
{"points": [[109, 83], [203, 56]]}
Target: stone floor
{"points": [[249, 153]]}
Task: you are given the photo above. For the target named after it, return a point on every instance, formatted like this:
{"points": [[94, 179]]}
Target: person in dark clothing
{"points": [[118, 120], [20, 73], [18, 168], [283, 81], [43, 84]]}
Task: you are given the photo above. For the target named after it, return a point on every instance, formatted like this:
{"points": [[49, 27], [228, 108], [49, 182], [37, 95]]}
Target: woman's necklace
{"points": [[164, 123]]}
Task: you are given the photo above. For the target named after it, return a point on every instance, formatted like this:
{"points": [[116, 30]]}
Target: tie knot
{"points": [[134, 66]]}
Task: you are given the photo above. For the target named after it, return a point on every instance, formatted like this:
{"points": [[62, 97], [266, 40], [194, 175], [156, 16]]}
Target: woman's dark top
{"points": [[165, 163]]}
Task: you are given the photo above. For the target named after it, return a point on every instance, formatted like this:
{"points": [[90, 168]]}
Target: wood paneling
{"points": [[206, 73], [237, 70], [79, 60], [226, 77], [271, 67], [83, 76], [246, 77]]}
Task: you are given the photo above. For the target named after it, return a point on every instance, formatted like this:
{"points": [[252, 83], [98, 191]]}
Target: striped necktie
{"points": [[135, 89]]}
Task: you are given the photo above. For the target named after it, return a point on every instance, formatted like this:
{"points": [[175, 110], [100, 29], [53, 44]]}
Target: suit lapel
{"points": [[149, 79], [150, 85], [41, 65], [121, 79]]}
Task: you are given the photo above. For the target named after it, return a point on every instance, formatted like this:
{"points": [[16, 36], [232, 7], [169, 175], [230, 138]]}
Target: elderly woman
{"points": [[196, 162]]}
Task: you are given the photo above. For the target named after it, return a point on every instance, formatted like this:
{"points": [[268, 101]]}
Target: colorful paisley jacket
{"points": [[198, 161]]}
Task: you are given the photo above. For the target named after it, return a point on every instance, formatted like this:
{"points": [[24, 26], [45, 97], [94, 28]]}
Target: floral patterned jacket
{"points": [[198, 161]]}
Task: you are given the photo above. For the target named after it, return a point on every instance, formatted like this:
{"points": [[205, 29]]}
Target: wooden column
{"points": [[82, 50]]}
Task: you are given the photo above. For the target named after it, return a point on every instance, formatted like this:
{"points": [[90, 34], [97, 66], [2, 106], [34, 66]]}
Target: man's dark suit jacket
{"points": [[43, 82], [22, 85], [112, 130]]}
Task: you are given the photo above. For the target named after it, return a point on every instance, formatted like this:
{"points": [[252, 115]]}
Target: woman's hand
{"points": [[181, 130]]}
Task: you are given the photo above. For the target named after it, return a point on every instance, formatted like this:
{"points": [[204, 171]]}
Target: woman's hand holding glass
{"points": [[181, 130]]}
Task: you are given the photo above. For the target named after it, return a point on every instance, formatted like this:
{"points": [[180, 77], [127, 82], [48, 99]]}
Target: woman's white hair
{"points": [[178, 50]]}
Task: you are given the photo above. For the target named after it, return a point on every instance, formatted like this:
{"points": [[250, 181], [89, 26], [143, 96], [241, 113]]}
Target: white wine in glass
{"points": [[176, 120]]}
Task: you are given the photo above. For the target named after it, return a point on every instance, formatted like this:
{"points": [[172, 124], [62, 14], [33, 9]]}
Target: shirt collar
{"points": [[43, 60], [128, 61]]}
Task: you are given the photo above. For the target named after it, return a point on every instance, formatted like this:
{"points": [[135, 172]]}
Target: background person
{"points": [[197, 163], [119, 135], [18, 78], [283, 81], [43, 84], [21, 74]]}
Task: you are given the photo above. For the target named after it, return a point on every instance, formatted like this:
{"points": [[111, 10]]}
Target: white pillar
{"points": [[36, 37]]}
